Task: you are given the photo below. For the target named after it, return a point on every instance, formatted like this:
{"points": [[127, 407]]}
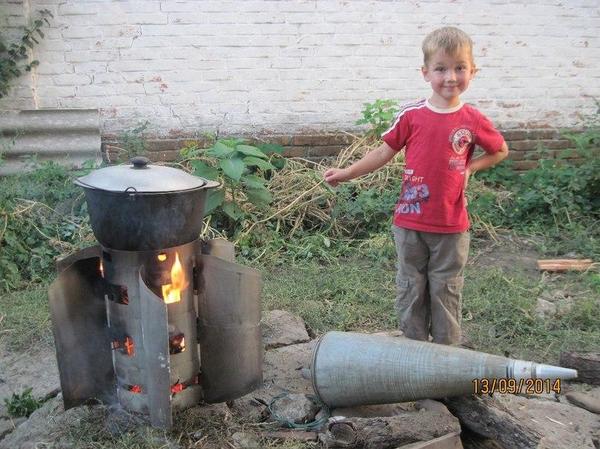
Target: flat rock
{"points": [[6, 427], [590, 400], [282, 373], [283, 367], [36, 369], [282, 328], [295, 408], [40, 427]]}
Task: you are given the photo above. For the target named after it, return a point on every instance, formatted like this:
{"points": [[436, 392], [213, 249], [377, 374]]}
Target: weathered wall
{"points": [[296, 66]]}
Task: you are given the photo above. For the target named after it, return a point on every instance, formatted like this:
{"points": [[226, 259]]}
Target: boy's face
{"points": [[449, 76]]}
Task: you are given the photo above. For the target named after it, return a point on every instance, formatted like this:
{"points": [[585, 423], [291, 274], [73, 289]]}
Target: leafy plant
{"points": [[243, 171], [23, 404], [42, 215], [132, 142], [379, 115], [560, 192], [13, 55]]}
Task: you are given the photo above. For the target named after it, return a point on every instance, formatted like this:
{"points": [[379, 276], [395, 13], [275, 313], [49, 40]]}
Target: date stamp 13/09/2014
{"points": [[516, 386]]}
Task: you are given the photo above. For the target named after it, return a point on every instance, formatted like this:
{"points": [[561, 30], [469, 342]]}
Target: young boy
{"points": [[431, 223]]}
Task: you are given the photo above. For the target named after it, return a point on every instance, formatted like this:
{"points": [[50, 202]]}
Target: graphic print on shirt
{"points": [[414, 193], [461, 139]]}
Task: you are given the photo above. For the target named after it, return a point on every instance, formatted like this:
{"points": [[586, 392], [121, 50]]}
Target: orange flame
{"points": [[172, 292], [101, 268]]}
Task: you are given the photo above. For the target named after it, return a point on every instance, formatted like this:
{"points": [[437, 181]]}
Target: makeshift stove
{"points": [[153, 318]]}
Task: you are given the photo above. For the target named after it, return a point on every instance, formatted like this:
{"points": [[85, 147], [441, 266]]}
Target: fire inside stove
{"points": [[172, 292], [156, 331]]}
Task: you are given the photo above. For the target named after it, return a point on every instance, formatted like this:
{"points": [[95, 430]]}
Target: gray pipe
{"points": [[357, 369]]}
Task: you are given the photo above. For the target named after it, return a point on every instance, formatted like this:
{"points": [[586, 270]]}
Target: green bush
{"points": [[42, 216], [561, 191], [243, 171]]}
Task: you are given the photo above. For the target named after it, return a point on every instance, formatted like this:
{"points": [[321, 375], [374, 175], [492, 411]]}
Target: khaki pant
{"points": [[429, 283]]}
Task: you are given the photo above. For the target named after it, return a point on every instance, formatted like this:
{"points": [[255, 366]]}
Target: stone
{"points": [[589, 401], [36, 369], [37, 427], [245, 440], [282, 368], [295, 408], [544, 309], [282, 328], [250, 408], [6, 427]]}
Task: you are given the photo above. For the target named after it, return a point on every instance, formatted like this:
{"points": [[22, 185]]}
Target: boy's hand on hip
{"points": [[334, 176], [467, 175]]}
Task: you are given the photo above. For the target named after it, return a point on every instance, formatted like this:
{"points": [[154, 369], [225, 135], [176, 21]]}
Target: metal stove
{"points": [[155, 329]]}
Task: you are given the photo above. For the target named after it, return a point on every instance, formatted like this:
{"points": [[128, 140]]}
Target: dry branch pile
{"points": [[302, 199]]}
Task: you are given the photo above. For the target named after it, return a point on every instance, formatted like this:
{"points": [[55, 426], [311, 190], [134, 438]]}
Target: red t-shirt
{"points": [[439, 144]]}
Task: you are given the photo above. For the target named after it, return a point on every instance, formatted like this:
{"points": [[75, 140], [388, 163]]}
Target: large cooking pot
{"points": [[142, 207]]}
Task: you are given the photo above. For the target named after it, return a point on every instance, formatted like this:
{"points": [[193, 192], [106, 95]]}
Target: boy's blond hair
{"points": [[449, 39]]}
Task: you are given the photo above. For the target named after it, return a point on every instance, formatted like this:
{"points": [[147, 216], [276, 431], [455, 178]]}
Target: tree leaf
{"points": [[233, 168], [253, 181], [260, 163], [251, 151], [220, 150], [204, 171], [214, 199], [259, 197], [233, 210]]}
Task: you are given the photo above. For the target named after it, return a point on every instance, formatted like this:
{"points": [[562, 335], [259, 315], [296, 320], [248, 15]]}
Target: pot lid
{"points": [[142, 177]]}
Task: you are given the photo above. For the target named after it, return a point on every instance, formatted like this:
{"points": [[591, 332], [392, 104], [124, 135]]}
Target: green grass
{"points": [[357, 292], [352, 294], [499, 315]]}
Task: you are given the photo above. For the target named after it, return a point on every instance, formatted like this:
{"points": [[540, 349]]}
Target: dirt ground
{"points": [[37, 367]]}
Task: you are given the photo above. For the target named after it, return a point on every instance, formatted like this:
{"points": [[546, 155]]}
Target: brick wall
{"points": [[299, 67], [523, 144]]}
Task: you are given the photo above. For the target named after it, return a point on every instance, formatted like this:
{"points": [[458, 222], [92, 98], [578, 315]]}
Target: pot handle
{"points": [[140, 162]]}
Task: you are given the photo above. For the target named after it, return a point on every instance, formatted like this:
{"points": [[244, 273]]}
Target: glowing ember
{"points": [[176, 344], [177, 388], [172, 292], [162, 257], [128, 346], [135, 388]]}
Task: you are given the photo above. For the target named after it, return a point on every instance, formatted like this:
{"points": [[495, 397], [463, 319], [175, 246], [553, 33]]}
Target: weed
{"points": [[42, 215], [23, 404], [12, 55], [378, 115], [132, 143]]}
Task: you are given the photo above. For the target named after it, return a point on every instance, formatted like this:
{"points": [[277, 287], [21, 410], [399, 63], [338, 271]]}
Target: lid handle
{"points": [[140, 162]]}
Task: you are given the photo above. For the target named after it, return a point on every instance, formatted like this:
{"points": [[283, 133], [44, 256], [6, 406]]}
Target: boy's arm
{"points": [[369, 162], [485, 161]]}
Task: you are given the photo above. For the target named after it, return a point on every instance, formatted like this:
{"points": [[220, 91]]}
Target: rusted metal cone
{"points": [[358, 369]]}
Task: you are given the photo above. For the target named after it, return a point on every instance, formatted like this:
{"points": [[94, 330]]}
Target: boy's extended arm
{"points": [[369, 162], [488, 160]]}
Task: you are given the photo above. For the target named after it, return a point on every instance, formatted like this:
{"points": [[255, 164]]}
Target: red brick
{"points": [[295, 151], [524, 165], [326, 150], [543, 134], [520, 145], [514, 134]]}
